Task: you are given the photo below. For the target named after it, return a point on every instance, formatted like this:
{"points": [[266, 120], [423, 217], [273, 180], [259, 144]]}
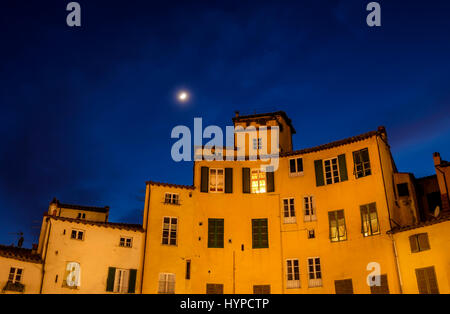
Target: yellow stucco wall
{"points": [[238, 270], [438, 256], [31, 276]]}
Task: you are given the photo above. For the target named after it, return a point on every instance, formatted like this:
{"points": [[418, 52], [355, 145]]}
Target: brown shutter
{"points": [[343, 167], [383, 288], [110, 280], [422, 239], [245, 180], [413, 243], [204, 185], [432, 281], [344, 286], [212, 288], [228, 180], [270, 176], [421, 281], [318, 165]]}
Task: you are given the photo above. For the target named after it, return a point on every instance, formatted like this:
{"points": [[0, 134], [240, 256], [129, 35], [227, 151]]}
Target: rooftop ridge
{"points": [[114, 225]]}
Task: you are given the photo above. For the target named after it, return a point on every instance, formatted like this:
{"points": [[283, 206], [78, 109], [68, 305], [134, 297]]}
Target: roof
{"points": [[21, 254], [443, 218], [81, 207], [276, 113], [114, 225], [353, 139], [170, 185], [444, 163]]}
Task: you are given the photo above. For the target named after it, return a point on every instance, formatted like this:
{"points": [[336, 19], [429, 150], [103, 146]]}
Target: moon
{"points": [[183, 96]]}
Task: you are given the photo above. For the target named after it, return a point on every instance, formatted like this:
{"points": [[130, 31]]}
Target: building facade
{"points": [[335, 218]]}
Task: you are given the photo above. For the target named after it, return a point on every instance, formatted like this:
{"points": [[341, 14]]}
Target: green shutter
{"points": [[318, 165], [110, 281], [270, 177], [343, 167], [245, 180], [215, 233], [132, 281], [204, 185], [228, 180], [260, 233], [364, 213]]}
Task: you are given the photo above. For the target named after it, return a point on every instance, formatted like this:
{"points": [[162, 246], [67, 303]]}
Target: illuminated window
{"points": [[361, 163], [309, 208], [125, 242], [314, 272], [166, 284], [77, 235], [292, 274], [331, 170], [171, 198], [369, 220], [170, 226], [338, 231], [15, 275], [258, 181], [216, 180], [289, 211]]}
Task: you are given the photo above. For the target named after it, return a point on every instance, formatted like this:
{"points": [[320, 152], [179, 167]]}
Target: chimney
{"points": [[437, 159], [34, 248], [236, 114]]}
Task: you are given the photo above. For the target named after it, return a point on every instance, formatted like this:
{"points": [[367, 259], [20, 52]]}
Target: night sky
{"points": [[87, 113]]}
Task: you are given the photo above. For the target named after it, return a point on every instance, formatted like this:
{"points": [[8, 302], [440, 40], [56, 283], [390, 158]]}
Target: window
{"points": [[81, 216], [338, 230], [383, 288], [215, 233], [214, 288], [169, 236], [403, 189], [295, 166], [419, 242], [426, 280], [369, 220], [216, 180], [258, 181], [125, 242], [331, 170], [166, 283], [260, 233], [257, 143], [15, 275], [311, 234], [172, 198], [293, 274], [289, 211], [188, 269], [121, 281], [361, 163], [314, 272], [309, 208], [77, 234], [261, 289], [344, 286]]}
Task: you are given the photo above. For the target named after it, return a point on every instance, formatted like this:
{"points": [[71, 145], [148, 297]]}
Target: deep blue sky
{"points": [[86, 113]]}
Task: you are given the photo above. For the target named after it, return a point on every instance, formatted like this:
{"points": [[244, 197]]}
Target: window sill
{"points": [[296, 174]]}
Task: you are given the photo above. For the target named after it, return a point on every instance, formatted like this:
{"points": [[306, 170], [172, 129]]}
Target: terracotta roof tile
{"points": [[443, 218], [21, 254], [170, 185], [114, 225]]}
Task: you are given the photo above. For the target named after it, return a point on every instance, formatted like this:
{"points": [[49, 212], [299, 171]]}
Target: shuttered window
{"points": [[289, 211], [426, 280], [214, 288], [292, 274], [260, 234], [383, 288], [344, 286], [216, 180], [419, 242], [215, 233], [369, 220], [261, 289], [361, 163], [258, 181], [121, 280], [338, 231], [166, 283], [170, 229], [332, 170]]}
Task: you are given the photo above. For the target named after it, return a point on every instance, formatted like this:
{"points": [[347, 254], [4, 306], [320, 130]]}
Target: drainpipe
{"points": [[45, 256], [397, 264], [145, 239]]}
